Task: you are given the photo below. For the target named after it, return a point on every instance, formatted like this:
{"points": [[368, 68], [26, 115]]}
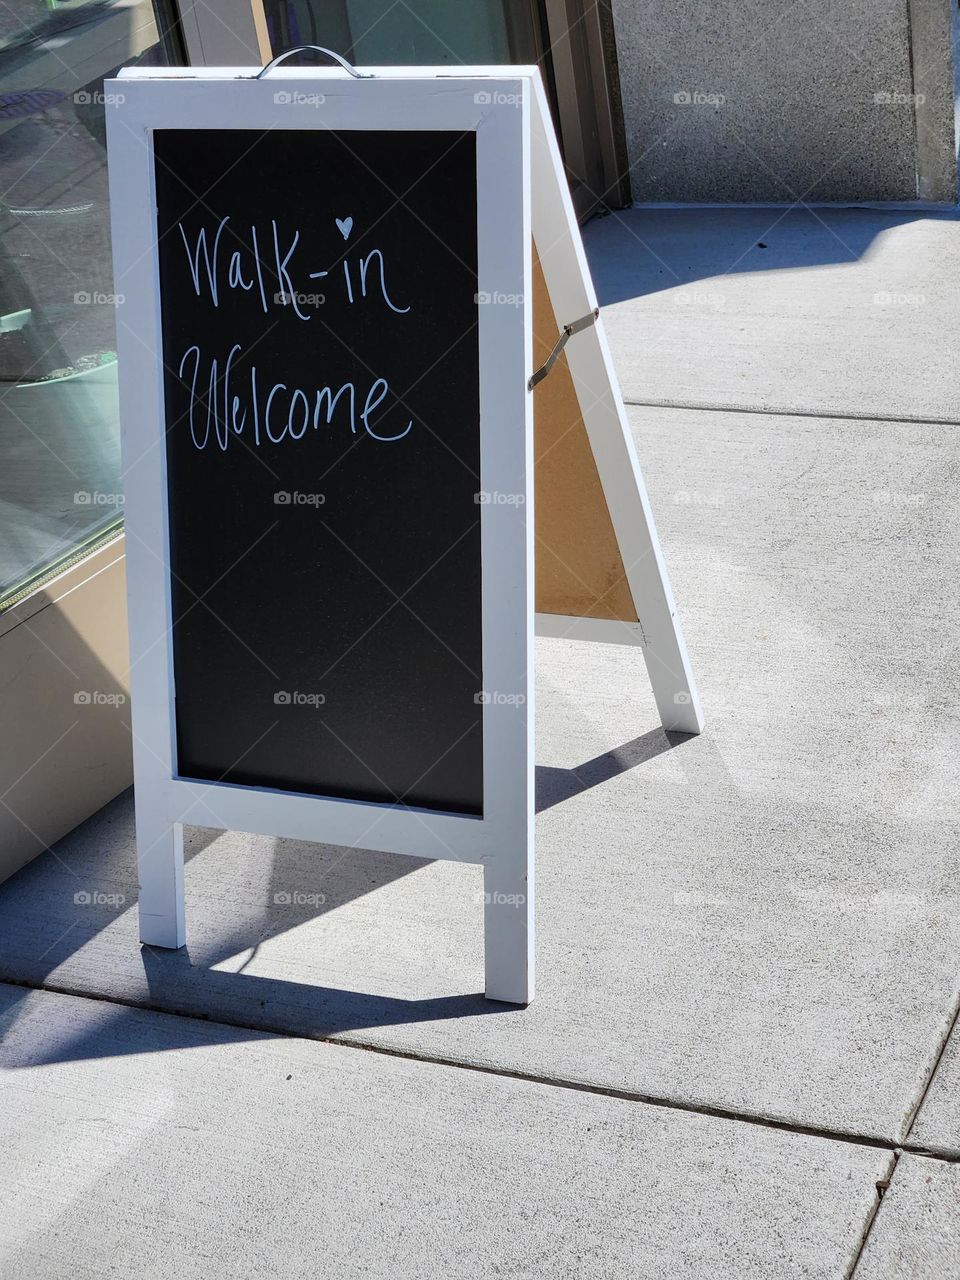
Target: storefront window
{"points": [[416, 32], [60, 457]]}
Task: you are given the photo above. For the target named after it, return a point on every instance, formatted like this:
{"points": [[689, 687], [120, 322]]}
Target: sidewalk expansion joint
{"points": [[780, 412], [552, 1082], [882, 1189], [934, 1066]]}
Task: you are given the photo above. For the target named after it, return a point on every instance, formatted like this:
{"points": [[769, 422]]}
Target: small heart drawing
{"points": [[346, 226]]}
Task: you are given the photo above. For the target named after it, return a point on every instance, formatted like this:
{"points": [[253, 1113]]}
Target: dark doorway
{"points": [[570, 40]]}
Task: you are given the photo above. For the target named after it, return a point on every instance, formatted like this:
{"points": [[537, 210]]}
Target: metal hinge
{"points": [[568, 331]]}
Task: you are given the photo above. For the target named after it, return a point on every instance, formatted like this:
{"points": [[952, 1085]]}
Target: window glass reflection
{"points": [[414, 33], [60, 463]]}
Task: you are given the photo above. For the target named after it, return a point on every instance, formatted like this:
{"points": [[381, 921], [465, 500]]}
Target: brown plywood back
{"points": [[579, 569]]}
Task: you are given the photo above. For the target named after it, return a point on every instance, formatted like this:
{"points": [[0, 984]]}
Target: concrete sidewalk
{"points": [[750, 938], [155, 1146]]}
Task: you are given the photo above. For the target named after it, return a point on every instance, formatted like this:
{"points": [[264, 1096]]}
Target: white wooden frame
{"points": [[570, 286], [521, 187], [502, 839]]}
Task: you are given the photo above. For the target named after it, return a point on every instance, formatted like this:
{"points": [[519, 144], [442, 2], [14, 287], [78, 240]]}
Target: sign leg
{"points": [[664, 648], [508, 934], [160, 870], [590, 364]]}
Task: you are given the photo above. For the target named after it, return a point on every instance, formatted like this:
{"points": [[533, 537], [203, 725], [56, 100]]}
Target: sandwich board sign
{"points": [[328, 382]]}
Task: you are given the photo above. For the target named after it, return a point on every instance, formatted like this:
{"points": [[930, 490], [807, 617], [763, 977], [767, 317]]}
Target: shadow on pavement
{"points": [[73, 910], [636, 252], [556, 785]]}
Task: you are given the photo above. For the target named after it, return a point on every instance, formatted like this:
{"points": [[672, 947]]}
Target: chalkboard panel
{"points": [[321, 386]]}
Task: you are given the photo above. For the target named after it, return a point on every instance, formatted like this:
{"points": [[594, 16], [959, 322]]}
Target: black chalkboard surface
{"points": [[321, 388]]}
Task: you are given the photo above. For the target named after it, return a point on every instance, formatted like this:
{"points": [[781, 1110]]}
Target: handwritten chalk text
{"points": [[223, 404]]}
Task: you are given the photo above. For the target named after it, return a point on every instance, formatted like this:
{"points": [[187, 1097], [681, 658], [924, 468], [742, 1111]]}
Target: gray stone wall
{"points": [[781, 100]]}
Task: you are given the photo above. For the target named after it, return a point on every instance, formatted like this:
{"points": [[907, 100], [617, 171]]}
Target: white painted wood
{"points": [[159, 841], [497, 108], [509, 760], [508, 927], [572, 295], [161, 900], [408, 72]]}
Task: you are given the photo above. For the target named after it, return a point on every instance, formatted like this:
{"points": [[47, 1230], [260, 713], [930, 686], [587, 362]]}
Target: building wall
{"points": [[64, 706], [780, 100]]}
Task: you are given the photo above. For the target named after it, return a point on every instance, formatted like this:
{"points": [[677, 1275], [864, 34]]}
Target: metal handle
{"points": [[314, 48]]}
